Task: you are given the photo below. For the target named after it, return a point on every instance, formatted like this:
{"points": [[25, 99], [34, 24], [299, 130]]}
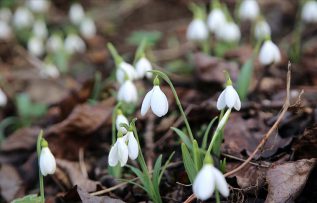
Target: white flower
{"points": [[5, 30], [118, 153], [121, 119], [269, 53], [88, 28], [35, 46], [5, 14], [54, 43], [215, 20], [47, 162], [229, 32], [40, 29], [197, 30], [249, 10], [50, 70], [3, 98], [124, 71], [309, 12], [230, 98], [76, 13], [128, 92], [22, 18], [156, 99], [262, 29], [38, 6], [142, 66], [133, 147], [207, 179], [73, 43]]}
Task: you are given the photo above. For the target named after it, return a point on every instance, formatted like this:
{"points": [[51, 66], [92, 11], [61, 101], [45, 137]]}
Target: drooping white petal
{"points": [[269, 53], [40, 29], [23, 18], [146, 102], [122, 151], [221, 102], [38, 6], [88, 28], [36, 46], [159, 102], [76, 13], [113, 157], [228, 32], [49, 71], [125, 70], [5, 14], [132, 146], [5, 30], [262, 29], [197, 30], [3, 98], [121, 119], [249, 10], [230, 96], [237, 104], [54, 43], [221, 183], [47, 162], [216, 18], [73, 43], [128, 92], [309, 12], [142, 66], [204, 183]]}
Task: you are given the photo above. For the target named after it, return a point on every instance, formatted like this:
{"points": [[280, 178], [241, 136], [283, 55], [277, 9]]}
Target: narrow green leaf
{"points": [[205, 139], [28, 199], [165, 166], [183, 137], [244, 79], [188, 163], [156, 171], [196, 155]]}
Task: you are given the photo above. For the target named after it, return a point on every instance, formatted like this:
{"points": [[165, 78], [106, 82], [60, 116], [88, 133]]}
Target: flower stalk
{"points": [[38, 149]]}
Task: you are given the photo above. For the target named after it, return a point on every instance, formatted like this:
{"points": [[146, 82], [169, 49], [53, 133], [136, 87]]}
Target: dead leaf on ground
{"points": [[306, 145], [287, 180]]}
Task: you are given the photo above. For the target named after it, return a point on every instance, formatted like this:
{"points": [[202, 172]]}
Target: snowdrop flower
{"points": [[35, 46], [207, 179], [50, 71], [156, 99], [5, 30], [249, 10], [229, 32], [22, 18], [133, 147], [309, 12], [121, 119], [142, 66], [73, 43], [87, 28], [128, 92], [54, 43], [38, 6], [229, 97], [197, 30], [3, 98], [40, 29], [262, 29], [124, 71], [5, 14], [76, 13], [47, 161], [119, 152], [216, 19], [269, 53]]}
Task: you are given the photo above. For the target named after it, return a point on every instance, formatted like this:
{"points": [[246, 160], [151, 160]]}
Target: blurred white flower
{"points": [[197, 30], [133, 147], [157, 100], [230, 98], [88, 28], [40, 29], [309, 12], [76, 13], [118, 153], [73, 43], [5, 30], [269, 53], [3, 98], [54, 43], [262, 29], [216, 19], [249, 10], [47, 162], [38, 6], [124, 71], [142, 66], [35, 46], [128, 92], [229, 32], [23, 18], [50, 71], [207, 179], [121, 119], [5, 14]]}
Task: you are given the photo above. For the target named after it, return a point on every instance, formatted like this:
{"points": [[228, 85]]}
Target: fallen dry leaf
{"points": [[286, 181], [306, 145]]}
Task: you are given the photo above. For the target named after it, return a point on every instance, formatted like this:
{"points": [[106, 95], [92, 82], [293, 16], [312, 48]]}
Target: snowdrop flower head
{"points": [[309, 11], [249, 10], [40, 29], [128, 92], [76, 13], [5, 14], [229, 32], [142, 66], [156, 99], [262, 29], [119, 152], [207, 180], [23, 18], [38, 6], [73, 43], [121, 119], [229, 97], [197, 29], [36, 46], [47, 160], [3, 98], [87, 28], [50, 71], [216, 19], [54, 43], [133, 147], [124, 71], [269, 53], [5, 30]]}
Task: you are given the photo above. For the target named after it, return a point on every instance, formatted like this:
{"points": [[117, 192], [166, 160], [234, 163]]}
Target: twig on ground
{"points": [[240, 159], [82, 164]]}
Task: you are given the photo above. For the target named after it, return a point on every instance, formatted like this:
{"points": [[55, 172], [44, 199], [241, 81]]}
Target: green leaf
{"points": [[205, 139], [139, 174], [188, 163], [28, 199], [197, 157], [151, 37], [156, 171], [183, 137], [165, 166], [244, 79]]}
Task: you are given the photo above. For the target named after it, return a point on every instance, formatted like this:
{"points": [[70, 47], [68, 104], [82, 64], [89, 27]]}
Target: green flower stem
{"points": [[38, 149], [169, 82], [113, 118], [217, 196], [117, 58]]}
